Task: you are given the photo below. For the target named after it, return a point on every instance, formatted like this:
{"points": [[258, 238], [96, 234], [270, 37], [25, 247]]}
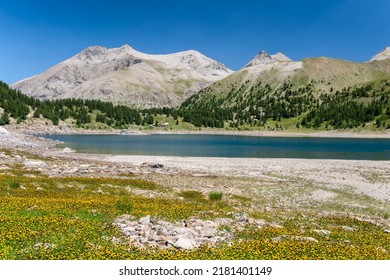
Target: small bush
{"points": [[193, 195], [124, 205], [14, 184], [215, 195]]}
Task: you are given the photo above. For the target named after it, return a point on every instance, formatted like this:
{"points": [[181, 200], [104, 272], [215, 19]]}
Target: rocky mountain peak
{"points": [[94, 50], [263, 58], [385, 54], [281, 57]]}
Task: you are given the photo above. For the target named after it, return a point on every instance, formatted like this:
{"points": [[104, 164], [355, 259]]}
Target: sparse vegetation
{"points": [[124, 205], [76, 223], [72, 218], [215, 195], [192, 195], [14, 184]]}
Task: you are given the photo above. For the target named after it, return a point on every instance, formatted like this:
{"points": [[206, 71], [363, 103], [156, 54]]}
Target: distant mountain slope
{"points": [[262, 58], [385, 54], [268, 88], [324, 74], [126, 76]]}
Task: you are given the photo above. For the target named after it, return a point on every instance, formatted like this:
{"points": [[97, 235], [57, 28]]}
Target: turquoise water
{"points": [[229, 146]]}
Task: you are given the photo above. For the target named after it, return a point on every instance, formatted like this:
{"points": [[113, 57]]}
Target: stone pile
{"points": [[184, 235]]}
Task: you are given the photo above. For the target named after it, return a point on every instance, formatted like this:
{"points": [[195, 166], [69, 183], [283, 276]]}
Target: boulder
{"points": [[145, 220], [68, 151], [35, 164], [276, 239], [4, 132], [260, 223], [208, 232], [347, 228], [152, 165], [305, 239], [185, 243], [223, 221]]}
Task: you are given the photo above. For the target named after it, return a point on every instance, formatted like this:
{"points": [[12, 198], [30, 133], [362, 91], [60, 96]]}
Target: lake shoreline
{"points": [[228, 146], [40, 129], [333, 174], [329, 176]]}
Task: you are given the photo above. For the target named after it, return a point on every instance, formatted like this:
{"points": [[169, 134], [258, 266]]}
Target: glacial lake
{"points": [[229, 146]]}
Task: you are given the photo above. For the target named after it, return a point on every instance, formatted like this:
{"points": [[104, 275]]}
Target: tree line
{"points": [[247, 105]]}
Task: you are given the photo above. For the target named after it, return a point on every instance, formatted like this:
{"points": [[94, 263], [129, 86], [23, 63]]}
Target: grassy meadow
{"points": [[72, 218]]}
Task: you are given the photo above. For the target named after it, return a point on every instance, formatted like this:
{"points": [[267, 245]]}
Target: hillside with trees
{"points": [[255, 107], [19, 106], [261, 106]]}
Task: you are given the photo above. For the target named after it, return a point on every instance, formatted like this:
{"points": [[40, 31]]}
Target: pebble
{"points": [[322, 231], [45, 246]]}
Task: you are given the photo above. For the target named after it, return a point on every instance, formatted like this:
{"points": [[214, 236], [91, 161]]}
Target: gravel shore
{"points": [[369, 178], [366, 177]]}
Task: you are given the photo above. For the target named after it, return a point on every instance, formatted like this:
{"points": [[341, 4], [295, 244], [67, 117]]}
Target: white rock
{"points": [[45, 246], [68, 151], [35, 164], [322, 231], [185, 243], [4, 132], [259, 222], [145, 220], [276, 239], [223, 221], [208, 232], [304, 239], [347, 228]]}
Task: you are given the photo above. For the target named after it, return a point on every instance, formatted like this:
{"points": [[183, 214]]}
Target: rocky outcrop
{"points": [[184, 235]]}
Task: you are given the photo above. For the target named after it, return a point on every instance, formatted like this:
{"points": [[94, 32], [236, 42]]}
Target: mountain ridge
{"points": [[126, 76], [384, 54]]}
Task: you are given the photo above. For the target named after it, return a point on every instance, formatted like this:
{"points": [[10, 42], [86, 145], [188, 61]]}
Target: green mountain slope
{"points": [[262, 95]]}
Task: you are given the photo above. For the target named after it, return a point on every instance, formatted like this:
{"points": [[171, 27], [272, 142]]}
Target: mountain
{"points": [[275, 87], [263, 58], [126, 76], [322, 73], [385, 54]]}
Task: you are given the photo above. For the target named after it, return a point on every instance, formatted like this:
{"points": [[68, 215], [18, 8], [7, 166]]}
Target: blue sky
{"points": [[37, 34]]}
